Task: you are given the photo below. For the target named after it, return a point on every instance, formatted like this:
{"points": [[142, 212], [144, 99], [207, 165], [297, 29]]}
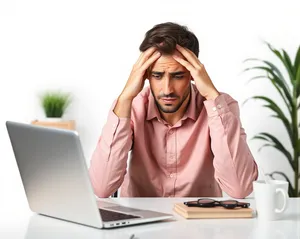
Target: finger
{"points": [[177, 53], [150, 61], [185, 63], [189, 55], [142, 54], [145, 56]]}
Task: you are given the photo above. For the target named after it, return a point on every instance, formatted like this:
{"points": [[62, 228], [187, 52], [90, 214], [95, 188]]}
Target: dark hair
{"points": [[165, 36]]}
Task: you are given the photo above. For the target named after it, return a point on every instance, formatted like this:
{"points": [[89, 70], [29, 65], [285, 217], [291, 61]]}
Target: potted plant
{"points": [[288, 89], [55, 104]]}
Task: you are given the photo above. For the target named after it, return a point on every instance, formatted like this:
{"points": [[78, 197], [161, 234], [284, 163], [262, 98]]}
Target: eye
{"points": [[156, 76], [178, 76]]}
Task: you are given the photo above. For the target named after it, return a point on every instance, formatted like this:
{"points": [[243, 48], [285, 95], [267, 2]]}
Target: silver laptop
{"points": [[56, 181]]}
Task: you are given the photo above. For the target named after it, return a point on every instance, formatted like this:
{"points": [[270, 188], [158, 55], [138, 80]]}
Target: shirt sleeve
{"points": [[109, 160], [235, 168]]}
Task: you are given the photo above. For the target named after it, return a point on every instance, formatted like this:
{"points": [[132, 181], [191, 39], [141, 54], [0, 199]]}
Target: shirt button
{"points": [[219, 106], [214, 108], [171, 132], [171, 175]]}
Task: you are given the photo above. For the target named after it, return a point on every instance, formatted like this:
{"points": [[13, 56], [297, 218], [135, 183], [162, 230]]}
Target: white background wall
{"points": [[88, 48]]}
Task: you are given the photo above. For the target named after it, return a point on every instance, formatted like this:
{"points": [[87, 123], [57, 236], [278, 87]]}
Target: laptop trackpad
{"points": [[123, 209]]}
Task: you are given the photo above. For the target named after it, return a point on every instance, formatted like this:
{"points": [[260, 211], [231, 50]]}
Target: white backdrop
{"points": [[88, 48]]}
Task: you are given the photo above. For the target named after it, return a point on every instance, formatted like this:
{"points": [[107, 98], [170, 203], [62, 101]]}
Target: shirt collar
{"points": [[191, 111]]}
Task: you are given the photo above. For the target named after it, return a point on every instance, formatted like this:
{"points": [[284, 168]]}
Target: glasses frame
{"points": [[215, 203]]}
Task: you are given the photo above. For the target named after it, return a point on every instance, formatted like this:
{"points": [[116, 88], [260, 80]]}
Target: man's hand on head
{"points": [[135, 82], [198, 72], [137, 77]]}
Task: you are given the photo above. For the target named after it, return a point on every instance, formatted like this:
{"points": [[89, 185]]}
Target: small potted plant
{"points": [[55, 104]]}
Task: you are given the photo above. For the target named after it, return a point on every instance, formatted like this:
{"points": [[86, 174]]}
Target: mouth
{"points": [[169, 100]]}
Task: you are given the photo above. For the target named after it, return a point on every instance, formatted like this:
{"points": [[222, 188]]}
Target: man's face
{"points": [[170, 83]]}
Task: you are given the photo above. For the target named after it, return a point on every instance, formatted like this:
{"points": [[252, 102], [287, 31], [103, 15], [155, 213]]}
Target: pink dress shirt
{"points": [[201, 155]]}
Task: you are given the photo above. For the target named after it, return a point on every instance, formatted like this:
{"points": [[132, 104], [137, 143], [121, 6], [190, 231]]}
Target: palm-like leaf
{"points": [[285, 59], [297, 72], [290, 97], [278, 113], [276, 78], [275, 143]]}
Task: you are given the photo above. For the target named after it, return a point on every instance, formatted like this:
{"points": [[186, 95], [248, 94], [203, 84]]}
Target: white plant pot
{"points": [[53, 119]]}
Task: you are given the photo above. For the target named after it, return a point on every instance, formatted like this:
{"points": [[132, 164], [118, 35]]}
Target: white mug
{"points": [[271, 198]]}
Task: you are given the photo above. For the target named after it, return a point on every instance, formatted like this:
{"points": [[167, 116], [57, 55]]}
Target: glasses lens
{"points": [[191, 203], [206, 201], [229, 202], [244, 204]]}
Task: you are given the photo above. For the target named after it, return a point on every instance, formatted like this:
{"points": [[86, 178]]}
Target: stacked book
{"points": [[213, 212]]}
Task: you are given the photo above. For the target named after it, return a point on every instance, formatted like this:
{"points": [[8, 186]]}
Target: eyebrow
{"points": [[172, 73]]}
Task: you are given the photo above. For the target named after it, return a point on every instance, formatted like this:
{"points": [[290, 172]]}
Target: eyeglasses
{"points": [[207, 202]]}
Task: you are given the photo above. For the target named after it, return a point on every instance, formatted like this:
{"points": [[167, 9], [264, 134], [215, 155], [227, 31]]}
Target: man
{"points": [[185, 137]]}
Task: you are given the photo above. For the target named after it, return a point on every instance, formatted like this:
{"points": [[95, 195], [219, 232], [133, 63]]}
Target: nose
{"points": [[167, 86]]}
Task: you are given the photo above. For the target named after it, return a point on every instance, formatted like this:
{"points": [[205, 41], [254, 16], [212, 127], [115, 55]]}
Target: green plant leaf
{"points": [[271, 71], [289, 65], [297, 72], [274, 82], [278, 82], [276, 86], [263, 146], [271, 65], [297, 61], [279, 114], [292, 191], [275, 143], [278, 145], [286, 62], [261, 138], [297, 84]]}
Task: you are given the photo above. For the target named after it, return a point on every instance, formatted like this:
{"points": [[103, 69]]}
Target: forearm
{"points": [[109, 160], [123, 107], [235, 168]]}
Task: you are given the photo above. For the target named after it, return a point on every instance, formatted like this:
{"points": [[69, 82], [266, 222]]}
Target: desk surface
{"points": [[20, 222]]}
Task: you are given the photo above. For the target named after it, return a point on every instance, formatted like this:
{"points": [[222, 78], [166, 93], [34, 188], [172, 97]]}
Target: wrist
{"points": [[212, 95], [124, 98]]}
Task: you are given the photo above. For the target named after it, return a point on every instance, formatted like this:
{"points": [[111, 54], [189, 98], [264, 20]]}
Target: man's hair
{"points": [[165, 36]]}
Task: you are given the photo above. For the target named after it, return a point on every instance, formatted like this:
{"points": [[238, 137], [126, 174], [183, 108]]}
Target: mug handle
{"points": [[285, 198]]}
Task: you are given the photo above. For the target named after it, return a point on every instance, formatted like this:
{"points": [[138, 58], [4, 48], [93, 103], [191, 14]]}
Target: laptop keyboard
{"points": [[108, 216]]}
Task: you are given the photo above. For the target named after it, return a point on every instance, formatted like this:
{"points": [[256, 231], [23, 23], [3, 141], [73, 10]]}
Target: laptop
{"points": [[56, 180]]}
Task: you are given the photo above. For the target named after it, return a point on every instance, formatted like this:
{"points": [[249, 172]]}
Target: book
{"points": [[213, 212]]}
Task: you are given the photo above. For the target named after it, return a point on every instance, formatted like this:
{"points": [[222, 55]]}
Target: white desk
{"points": [[19, 222]]}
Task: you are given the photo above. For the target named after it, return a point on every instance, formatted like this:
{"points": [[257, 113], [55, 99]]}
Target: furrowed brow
{"points": [[157, 72], [177, 73]]}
